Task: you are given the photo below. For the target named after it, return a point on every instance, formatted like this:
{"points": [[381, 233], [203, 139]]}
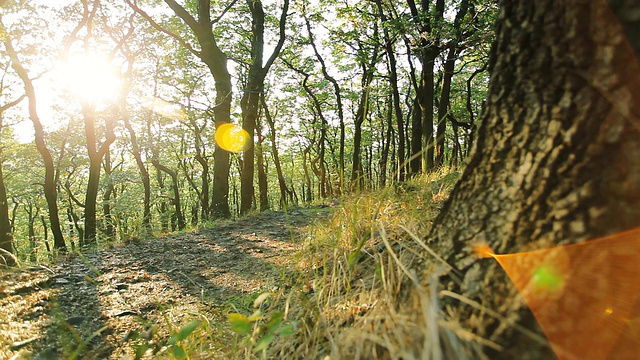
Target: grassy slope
{"points": [[354, 298]]}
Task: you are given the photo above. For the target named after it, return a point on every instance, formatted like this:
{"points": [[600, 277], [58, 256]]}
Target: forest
{"points": [[331, 178], [126, 99]]}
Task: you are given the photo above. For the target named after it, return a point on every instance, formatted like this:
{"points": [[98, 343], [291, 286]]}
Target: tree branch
{"points": [[156, 26]]}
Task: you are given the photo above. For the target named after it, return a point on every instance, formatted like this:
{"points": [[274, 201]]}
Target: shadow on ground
{"points": [[88, 306]]}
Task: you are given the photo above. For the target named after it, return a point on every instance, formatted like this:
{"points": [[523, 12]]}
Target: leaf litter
{"points": [[89, 305]]}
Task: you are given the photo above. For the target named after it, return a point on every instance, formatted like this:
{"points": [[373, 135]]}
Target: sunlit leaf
{"points": [[240, 324], [260, 299]]}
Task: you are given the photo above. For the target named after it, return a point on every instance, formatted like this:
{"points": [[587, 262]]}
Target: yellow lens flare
{"points": [[585, 296], [165, 108], [232, 138]]}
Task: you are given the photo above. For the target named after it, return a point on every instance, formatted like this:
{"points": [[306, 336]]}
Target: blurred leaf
{"points": [[141, 350], [260, 299], [264, 342], [257, 315], [274, 321], [240, 324], [178, 352], [287, 330], [184, 332]]}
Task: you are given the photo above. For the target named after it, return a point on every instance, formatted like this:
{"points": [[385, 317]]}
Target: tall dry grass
{"points": [[356, 295]]}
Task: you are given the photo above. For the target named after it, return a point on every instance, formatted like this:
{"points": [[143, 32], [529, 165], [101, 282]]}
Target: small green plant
{"points": [[174, 347], [256, 332]]}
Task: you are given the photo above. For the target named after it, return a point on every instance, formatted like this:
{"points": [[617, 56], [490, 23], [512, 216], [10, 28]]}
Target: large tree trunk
{"points": [[557, 156]]}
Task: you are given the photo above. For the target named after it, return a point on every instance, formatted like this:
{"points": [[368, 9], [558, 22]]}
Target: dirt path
{"points": [[89, 305]]}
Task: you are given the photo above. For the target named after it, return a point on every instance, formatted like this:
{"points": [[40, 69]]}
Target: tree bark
{"points": [[250, 101], [96, 154], [557, 157], [50, 191], [284, 190]]}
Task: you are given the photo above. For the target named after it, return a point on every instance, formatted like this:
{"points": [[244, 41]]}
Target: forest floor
{"points": [[105, 304]]}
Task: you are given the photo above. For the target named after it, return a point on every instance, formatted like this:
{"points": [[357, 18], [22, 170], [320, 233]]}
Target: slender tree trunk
{"points": [[32, 214], [338, 94], [6, 224], [445, 92], [144, 175], [177, 203], [415, 164], [308, 193], [109, 228], [250, 101], [556, 159], [96, 155], [276, 155], [386, 144], [50, 191], [263, 181], [361, 114], [393, 81]]}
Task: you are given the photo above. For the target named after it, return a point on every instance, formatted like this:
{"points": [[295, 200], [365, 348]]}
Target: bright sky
{"points": [[86, 77]]}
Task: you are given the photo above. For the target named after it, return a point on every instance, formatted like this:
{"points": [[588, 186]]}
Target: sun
{"points": [[89, 77]]}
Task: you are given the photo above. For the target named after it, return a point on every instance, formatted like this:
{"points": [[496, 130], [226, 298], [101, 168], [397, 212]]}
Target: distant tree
{"points": [[6, 233], [556, 158], [202, 27]]}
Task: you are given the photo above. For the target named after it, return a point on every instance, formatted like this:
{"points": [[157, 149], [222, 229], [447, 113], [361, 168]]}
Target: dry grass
{"points": [[357, 296]]}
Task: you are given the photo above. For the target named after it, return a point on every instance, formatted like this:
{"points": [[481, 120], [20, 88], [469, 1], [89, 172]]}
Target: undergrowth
{"points": [[357, 296], [351, 292]]}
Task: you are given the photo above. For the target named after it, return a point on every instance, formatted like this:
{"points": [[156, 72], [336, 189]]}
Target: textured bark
{"points": [[250, 101], [557, 157]]}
